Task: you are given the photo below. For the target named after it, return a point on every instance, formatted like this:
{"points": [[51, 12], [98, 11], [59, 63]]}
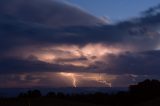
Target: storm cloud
{"points": [[39, 22], [142, 63], [33, 33], [17, 66], [53, 13]]}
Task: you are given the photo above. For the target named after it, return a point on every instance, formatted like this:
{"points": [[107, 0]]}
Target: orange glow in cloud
{"points": [[47, 57], [65, 54]]}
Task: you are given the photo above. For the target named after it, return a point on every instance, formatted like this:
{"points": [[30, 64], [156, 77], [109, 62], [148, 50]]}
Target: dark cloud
{"points": [[33, 22], [144, 63], [16, 65], [32, 80], [16, 34], [51, 13], [27, 23]]}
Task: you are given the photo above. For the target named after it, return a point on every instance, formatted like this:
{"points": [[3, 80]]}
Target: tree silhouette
{"points": [[30, 94], [146, 86], [141, 92]]}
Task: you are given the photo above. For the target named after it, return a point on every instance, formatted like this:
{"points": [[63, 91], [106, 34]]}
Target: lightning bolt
{"points": [[106, 83], [100, 80], [72, 76], [74, 81]]}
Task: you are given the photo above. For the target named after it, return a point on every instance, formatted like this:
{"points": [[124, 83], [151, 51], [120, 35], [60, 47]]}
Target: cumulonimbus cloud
{"points": [[43, 23]]}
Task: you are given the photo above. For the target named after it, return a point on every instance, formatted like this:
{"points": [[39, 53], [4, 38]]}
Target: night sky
{"points": [[78, 43]]}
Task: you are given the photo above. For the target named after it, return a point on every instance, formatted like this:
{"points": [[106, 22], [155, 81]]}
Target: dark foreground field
{"points": [[154, 102], [146, 93], [56, 102], [43, 102]]}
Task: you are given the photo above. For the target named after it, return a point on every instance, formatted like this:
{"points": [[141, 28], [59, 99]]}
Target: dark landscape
{"points": [[146, 93]]}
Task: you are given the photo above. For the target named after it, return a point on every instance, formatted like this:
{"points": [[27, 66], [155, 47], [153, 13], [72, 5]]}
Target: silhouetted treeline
{"points": [[30, 94], [141, 92]]}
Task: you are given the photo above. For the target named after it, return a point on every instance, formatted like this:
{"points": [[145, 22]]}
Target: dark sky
{"points": [[52, 43]]}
